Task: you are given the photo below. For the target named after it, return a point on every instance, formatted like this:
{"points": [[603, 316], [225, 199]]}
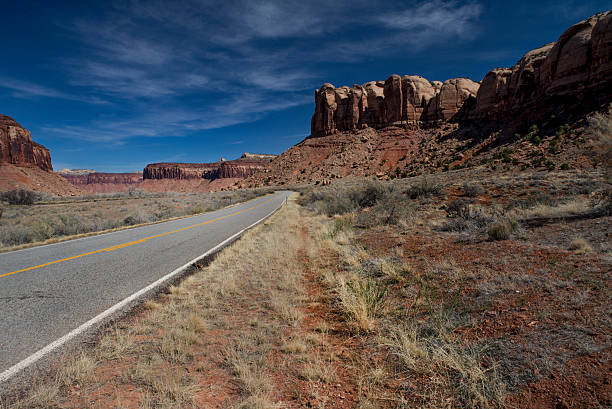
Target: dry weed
{"points": [[580, 246], [78, 372]]}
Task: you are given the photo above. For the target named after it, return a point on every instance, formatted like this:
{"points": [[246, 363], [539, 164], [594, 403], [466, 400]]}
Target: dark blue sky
{"points": [[114, 85]]}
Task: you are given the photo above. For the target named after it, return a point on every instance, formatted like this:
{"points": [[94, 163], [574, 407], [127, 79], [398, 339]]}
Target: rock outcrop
{"points": [[243, 167], [93, 178], [409, 99], [575, 69], [18, 148]]}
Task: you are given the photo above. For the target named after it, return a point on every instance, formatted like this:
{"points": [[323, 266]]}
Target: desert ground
{"points": [[466, 289]]}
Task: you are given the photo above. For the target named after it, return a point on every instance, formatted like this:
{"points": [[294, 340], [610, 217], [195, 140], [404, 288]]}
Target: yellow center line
{"points": [[131, 243]]}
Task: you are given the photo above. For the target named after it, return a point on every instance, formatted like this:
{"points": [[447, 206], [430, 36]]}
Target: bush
{"points": [[465, 217], [341, 223], [472, 189], [424, 188], [388, 206], [535, 199], [20, 197], [458, 208], [501, 230]]}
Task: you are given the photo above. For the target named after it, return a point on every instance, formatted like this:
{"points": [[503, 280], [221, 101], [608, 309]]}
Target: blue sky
{"points": [[114, 85]]}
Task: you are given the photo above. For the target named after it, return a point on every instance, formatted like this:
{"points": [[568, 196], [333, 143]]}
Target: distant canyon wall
{"points": [[247, 165], [102, 178], [579, 65]]}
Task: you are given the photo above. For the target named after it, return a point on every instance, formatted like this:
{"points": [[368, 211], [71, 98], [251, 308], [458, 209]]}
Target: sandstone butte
{"points": [[18, 148], [25, 164], [574, 70], [93, 177]]}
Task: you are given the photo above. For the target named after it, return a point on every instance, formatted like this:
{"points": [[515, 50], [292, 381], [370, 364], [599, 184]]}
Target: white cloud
{"points": [[200, 64], [434, 21]]}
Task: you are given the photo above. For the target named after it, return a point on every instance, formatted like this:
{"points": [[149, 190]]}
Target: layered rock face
{"points": [[243, 167], [18, 148], [408, 99], [178, 170], [576, 69], [578, 66], [92, 178]]}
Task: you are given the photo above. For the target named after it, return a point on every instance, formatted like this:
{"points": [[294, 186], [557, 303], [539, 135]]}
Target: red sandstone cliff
{"points": [[243, 167], [572, 74], [409, 99], [99, 178], [18, 148], [25, 164], [575, 70]]}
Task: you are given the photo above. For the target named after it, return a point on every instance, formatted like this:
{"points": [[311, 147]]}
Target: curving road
{"points": [[48, 294]]}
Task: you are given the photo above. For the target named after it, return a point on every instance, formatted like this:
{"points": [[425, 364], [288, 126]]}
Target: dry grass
{"points": [[454, 372], [424, 352], [574, 207], [363, 300], [318, 370], [43, 397], [294, 346], [580, 246], [79, 372], [24, 226]]}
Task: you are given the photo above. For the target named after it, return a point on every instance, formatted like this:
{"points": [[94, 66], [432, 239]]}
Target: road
{"points": [[52, 291]]}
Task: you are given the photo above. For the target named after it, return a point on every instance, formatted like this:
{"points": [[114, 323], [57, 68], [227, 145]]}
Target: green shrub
{"points": [[424, 188], [20, 197], [472, 189], [371, 293]]}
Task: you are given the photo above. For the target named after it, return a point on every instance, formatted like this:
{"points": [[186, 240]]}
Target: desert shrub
{"points": [[472, 189], [458, 208], [580, 245], [501, 230], [341, 223], [424, 188], [368, 196], [600, 127], [463, 216], [20, 197], [535, 199], [391, 208]]}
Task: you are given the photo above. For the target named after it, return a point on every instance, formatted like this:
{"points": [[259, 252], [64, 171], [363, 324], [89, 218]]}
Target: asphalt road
{"points": [[48, 291]]}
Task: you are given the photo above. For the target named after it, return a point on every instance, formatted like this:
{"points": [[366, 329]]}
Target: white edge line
{"points": [[15, 369]]}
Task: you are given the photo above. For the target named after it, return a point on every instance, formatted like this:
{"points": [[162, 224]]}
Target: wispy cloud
{"points": [[201, 64], [435, 18], [26, 89]]}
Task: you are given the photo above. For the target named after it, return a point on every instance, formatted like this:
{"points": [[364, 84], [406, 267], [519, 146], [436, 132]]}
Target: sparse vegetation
{"points": [[23, 222]]}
